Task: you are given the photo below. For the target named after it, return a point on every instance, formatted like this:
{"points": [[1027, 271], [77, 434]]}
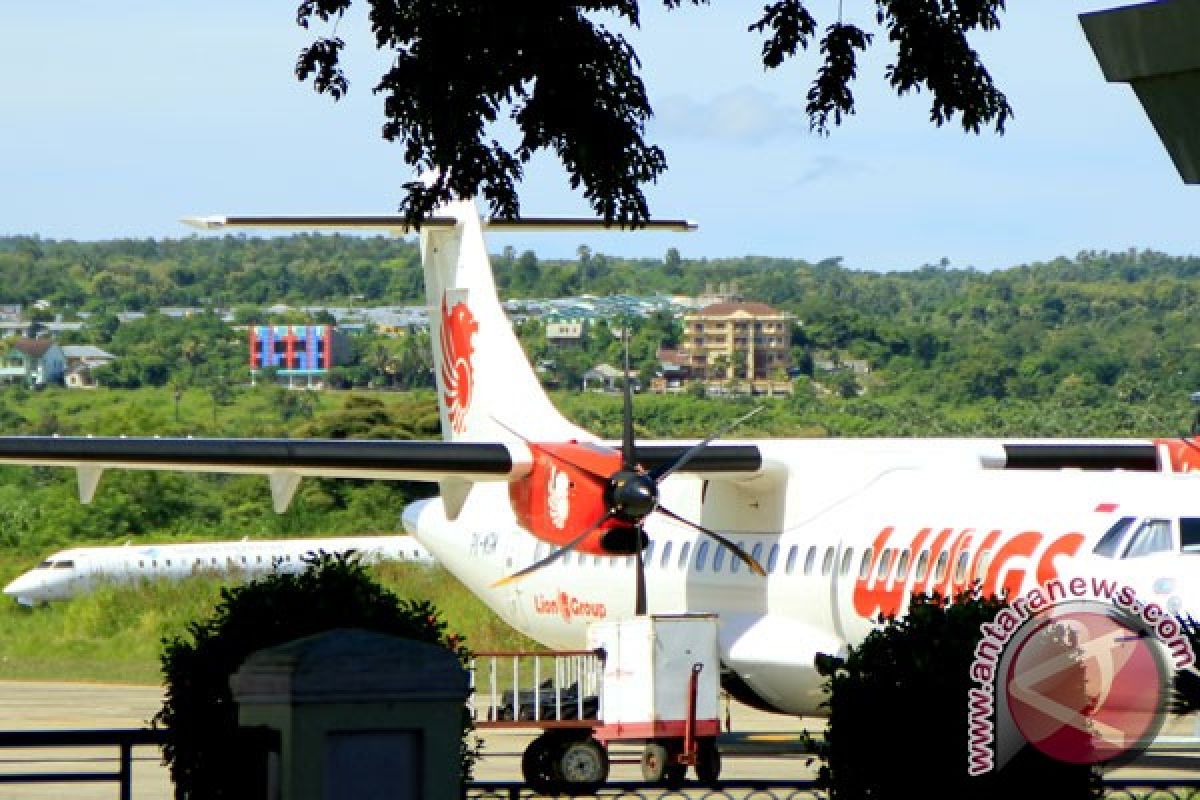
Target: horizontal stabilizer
{"points": [[401, 225]]}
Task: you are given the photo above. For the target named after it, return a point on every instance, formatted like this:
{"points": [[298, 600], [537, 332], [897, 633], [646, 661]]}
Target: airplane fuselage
{"points": [[833, 567]]}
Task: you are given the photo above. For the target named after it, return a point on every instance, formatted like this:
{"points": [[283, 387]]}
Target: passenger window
{"points": [[922, 565], [735, 563], [684, 552], [827, 562], [773, 558], [1189, 534], [960, 569], [985, 560], [756, 552], [666, 556], [939, 572], [142, 564], [718, 559], [847, 560], [810, 560], [864, 569], [902, 566], [1110, 541], [701, 555], [64, 564], [168, 562], [793, 551], [1154, 536], [885, 563]]}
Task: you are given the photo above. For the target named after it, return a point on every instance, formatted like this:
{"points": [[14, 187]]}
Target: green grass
{"points": [[115, 633]]}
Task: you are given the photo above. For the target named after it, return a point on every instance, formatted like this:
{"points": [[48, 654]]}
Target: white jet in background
{"points": [[71, 572]]}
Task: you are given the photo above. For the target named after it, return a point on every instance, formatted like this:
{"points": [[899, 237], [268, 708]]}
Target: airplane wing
{"points": [[286, 461]]}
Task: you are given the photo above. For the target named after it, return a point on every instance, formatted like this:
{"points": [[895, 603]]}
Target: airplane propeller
{"points": [[631, 495]]}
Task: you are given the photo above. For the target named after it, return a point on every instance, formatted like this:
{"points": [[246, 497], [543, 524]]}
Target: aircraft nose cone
{"points": [[634, 495], [21, 588]]}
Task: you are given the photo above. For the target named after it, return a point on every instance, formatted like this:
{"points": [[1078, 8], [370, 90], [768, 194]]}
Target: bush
{"points": [[898, 721], [209, 756]]}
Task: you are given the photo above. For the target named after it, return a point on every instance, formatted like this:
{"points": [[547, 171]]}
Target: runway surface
{"points": [[38, 706]]}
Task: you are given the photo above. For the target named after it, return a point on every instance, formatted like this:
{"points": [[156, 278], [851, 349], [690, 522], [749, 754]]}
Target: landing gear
{"points": [[556, 762]]}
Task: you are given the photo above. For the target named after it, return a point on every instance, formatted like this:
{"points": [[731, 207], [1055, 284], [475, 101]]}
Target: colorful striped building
{"points": [[304, 352]]}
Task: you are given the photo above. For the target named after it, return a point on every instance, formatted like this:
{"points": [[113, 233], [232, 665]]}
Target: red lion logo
{"points": [[458, 375]]}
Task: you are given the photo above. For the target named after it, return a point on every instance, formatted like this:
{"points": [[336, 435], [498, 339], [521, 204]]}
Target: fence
{"points": [[1183, 789], [124, 739]]}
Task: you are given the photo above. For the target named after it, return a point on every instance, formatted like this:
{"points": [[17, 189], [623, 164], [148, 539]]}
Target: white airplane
{"points": [[68, 573], [546, 522]]}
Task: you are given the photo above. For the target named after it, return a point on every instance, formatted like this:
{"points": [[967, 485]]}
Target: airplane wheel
{"points": [[655, 759], [539, 764], [583, 765], [708, 761]]}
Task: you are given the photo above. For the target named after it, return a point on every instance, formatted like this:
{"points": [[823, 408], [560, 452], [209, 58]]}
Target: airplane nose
{"points": [[23, 589]]}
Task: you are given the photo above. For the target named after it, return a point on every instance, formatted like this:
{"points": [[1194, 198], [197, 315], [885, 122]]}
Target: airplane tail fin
{"points": [[485, 382]]}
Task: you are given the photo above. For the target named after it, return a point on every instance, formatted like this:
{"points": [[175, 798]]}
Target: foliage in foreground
{"points": [[898, 722], [208, 754]]}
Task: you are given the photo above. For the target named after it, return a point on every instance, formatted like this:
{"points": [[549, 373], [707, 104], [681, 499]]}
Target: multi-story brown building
{"points": [[738, 341]]}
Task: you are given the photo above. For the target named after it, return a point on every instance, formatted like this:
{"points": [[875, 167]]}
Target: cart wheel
{"points": [[708, 761], [675, 776], [655, 760], [538, 764], [583, 765]]}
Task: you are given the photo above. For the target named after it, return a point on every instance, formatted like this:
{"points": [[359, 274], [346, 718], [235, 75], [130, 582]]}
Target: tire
{"points": [[539, 764], [583, 765], [655, 760], [708, 761]]}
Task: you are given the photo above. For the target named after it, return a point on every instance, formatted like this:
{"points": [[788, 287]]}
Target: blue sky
{"points": [[121, 117]]}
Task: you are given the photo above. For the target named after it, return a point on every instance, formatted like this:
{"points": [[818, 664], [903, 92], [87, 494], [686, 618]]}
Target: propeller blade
{"points": [[662, 472], [628, 459], [554, 555], [748, 559], [639, 597]]}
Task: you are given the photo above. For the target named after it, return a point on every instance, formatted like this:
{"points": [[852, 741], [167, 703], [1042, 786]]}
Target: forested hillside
{"points": [[1097, 329]]}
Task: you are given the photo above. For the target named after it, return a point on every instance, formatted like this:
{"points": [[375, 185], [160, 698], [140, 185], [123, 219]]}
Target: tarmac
{"points": [[760, 746]]}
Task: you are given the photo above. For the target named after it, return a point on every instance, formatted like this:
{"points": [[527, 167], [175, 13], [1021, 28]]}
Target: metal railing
{"points": [[1178, 789], [620, 790], [124, 739], [542, 689]]}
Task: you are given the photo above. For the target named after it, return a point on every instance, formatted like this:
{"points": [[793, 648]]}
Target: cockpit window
{"points": [[45, 565], [64, 565], [1189, 534], [1109, 542], [1154, 536]]}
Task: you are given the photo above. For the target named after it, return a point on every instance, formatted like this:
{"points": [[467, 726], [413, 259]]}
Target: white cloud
{"points": [[744, 115]]}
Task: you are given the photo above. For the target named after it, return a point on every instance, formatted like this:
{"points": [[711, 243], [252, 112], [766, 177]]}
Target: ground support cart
{"points": [[652, 681]]}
